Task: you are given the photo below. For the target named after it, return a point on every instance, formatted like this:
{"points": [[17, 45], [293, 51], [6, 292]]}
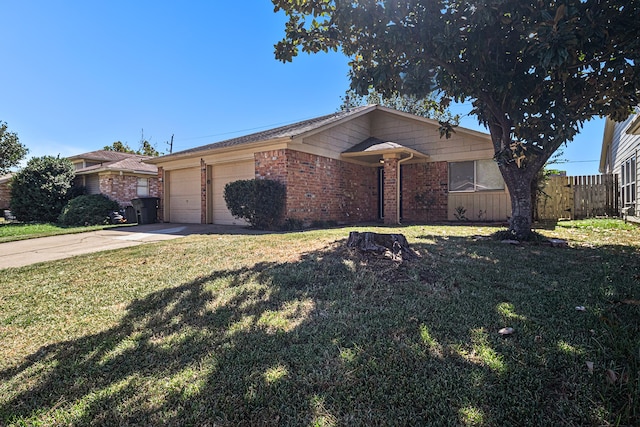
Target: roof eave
{"points": [[607, 139], [634, 127], [216, 150]]}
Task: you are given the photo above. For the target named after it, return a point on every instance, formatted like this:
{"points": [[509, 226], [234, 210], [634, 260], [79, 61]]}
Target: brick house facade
{"points": [[120, 176], [320, 188], [367, 164], [5, 192]]}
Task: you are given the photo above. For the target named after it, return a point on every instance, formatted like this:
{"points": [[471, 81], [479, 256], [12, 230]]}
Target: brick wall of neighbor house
{"points": [[424, 192], [320, 188], [123, 188], [5, 196]]}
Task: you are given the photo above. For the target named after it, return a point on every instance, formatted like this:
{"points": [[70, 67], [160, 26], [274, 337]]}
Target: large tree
{"points": [[535, 71], [42, 188], [11, 150]]}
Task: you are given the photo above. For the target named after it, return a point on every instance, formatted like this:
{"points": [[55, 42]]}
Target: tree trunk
{"points": [[394, 246], [518, 182]]}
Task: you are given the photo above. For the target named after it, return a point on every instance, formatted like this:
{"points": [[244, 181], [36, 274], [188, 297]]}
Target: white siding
{"points": [[623, 147]]}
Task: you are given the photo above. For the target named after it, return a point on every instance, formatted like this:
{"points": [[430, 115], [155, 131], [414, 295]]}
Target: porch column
{"points": [[391, 189], [161, 193]]}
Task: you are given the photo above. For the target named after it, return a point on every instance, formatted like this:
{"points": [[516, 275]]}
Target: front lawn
{"points": [[294, 329], [12, 231]]}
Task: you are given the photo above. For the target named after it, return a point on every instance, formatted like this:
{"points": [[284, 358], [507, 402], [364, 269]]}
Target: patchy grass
{"points": [[12, 231], [598, 224], [294, 329]]}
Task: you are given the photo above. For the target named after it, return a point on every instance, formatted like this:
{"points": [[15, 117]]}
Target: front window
{"points": [[477, 175], [142, 188]]}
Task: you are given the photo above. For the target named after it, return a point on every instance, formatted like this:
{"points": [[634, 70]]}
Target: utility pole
{"points": [[171, 145]]}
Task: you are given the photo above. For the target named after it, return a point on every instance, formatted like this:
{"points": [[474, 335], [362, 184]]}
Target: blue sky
{"points": [[79, 75]]}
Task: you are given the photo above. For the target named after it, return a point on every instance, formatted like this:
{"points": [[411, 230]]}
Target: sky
{"points": [[79, 75]]}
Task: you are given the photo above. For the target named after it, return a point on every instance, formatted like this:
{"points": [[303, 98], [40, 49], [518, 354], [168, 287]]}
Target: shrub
{"points": [[93, 209], [40, 190], [258, 201]]}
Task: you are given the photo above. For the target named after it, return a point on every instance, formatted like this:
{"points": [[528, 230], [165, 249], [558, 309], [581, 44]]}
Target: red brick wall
{"points": [[425, 192], [390, 191], [123, 188], [5, 196], [320, 188]]}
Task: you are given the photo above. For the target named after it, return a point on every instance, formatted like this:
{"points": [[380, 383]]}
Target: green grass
{"points": [[12, 231], [294, 329]]}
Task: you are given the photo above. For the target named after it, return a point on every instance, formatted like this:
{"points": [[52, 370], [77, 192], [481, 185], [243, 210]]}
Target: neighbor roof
{"points": [[114, 161]]}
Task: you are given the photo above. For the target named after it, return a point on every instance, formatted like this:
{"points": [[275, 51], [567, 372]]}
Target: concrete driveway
{"points": [[26, 252]]}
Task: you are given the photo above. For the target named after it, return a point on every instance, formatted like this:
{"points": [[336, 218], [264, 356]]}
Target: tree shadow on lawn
{"points": [[336, 339]]}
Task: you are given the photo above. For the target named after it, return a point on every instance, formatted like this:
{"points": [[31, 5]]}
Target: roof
{"points": [[114, 161], [288, 131], [373, 149], [303, 128], [6, 178]]}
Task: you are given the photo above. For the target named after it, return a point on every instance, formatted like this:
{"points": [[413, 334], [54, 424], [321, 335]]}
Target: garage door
{"points": [[184, 196], [223, 174]]}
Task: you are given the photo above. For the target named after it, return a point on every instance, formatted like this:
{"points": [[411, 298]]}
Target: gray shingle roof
{"points": [[373, 144], [288, 131], [116, 161]]}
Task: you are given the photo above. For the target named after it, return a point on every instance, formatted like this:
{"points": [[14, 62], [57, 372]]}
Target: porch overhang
{"points": [[373, 151]]}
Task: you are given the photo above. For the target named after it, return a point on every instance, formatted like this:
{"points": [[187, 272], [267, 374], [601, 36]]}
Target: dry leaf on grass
{"points": [[581, 308], [505, 331], [589, 366], [612, 377]]}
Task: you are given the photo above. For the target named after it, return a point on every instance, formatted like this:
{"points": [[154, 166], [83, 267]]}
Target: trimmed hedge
{"points": [[258, 201], [93, 209]]}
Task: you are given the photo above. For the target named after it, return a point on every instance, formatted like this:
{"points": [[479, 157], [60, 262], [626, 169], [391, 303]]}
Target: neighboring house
{"points": [[5, 192], [120, 176], [619, 155], [367, 164]]}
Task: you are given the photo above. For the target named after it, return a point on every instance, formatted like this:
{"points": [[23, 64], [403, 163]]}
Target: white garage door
{"points": [[184, 196], [223, 174]]}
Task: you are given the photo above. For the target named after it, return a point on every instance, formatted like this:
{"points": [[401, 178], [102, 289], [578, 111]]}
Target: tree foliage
{"points": [[260, 202], [11, 150], [41, 189], [534, 71], [429, 106], [146, 148]]}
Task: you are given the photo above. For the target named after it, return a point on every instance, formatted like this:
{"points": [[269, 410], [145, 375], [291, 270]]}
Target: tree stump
{"points": [[394, 246]]}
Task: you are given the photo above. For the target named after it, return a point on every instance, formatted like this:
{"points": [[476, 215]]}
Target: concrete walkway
{"points": [[31, 251]]}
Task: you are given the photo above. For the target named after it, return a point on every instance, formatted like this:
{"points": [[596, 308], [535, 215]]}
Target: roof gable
{"points": [[114, 161]]}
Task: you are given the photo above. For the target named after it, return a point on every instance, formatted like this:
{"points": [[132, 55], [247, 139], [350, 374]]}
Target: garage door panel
{"points": [[184, 197], [222, 175]]}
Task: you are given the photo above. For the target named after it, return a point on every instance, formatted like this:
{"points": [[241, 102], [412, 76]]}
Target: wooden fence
{"points": [[578, 197]]}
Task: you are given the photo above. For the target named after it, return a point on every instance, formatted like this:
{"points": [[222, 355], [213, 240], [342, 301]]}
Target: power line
{"points": [[246, 130]]}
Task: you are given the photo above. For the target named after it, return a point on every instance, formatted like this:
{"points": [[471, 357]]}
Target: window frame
{"points": [[145, 186], [628, 174], [475, 178]]}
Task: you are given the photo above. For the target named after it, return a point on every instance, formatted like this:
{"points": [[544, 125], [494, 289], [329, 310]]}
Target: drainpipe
{"points": [[398, 201]]}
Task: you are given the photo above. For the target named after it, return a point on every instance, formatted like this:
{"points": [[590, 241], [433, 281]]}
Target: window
{"points": [[142, 188], [478, 175], [628, 182]]}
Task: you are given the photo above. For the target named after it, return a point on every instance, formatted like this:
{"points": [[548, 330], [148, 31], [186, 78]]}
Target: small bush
{"points": [[93, 209], [258, 201]]}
